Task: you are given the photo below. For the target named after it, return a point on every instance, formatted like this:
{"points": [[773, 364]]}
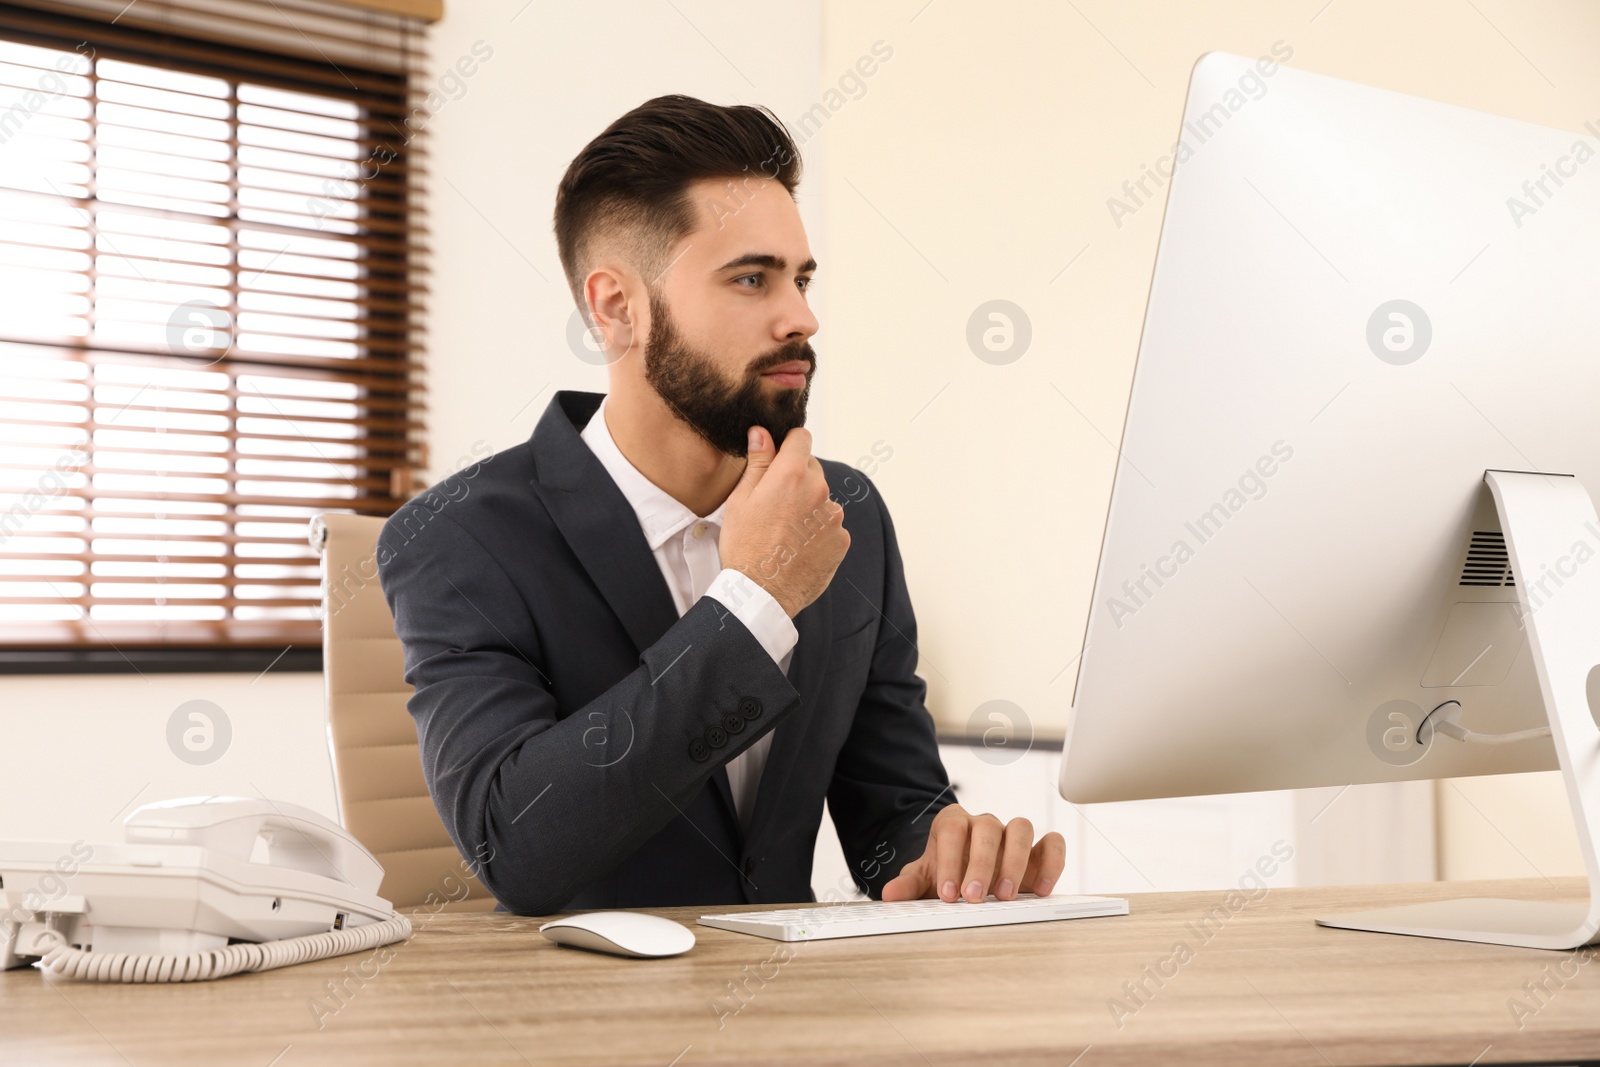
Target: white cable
{"points": [[71, 962], [1449, 726], [1461, 733]]}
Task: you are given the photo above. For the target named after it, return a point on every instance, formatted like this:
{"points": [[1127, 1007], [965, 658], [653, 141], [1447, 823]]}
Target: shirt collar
{"points": [[660, 515]]}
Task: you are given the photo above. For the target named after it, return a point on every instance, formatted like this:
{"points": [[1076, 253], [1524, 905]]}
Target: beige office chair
{"points": [[383, 800]]}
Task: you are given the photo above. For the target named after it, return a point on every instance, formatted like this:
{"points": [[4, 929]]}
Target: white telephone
{"points": [[203, 887]]}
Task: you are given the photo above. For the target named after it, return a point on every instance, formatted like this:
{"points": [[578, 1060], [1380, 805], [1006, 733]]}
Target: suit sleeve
{"points": [[888, 782], [549, 803]]}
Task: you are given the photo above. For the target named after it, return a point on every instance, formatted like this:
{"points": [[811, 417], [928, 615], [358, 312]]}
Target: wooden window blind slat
{"points": [[212, 275]]}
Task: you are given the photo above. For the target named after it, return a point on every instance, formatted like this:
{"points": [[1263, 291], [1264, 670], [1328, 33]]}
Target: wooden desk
{"points": [[1268, 987]]}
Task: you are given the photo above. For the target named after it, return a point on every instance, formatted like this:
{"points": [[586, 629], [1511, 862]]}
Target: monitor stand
{"points": [[1542, 517]]}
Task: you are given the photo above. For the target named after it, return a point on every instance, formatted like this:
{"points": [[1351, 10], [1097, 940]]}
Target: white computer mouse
{"points": [[621, 933]]}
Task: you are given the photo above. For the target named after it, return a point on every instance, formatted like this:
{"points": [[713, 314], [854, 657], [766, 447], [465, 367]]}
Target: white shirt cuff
{"points": [[757, 609]]}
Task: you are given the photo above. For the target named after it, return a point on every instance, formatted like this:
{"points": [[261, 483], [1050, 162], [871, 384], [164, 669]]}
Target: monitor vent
{"points": [[1487, 561]]}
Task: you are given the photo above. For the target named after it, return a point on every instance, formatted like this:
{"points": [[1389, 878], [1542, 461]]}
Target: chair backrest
{"points": [[383, 799]]}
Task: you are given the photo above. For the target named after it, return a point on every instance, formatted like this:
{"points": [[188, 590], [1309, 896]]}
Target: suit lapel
{"points": [[597, 522], [603, 531]]}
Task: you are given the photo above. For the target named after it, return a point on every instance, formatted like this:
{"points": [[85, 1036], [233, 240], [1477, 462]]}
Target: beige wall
{"points": [[80, 752], [1506, 826]]}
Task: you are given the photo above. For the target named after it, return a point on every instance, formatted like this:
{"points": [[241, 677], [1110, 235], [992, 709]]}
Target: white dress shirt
{"points": [[685, 547]]}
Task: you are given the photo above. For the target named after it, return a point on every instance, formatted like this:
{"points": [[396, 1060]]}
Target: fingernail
{"points": [[975, 890], [948, 891], [755, 439], [1041, 888], [1003, 890]]}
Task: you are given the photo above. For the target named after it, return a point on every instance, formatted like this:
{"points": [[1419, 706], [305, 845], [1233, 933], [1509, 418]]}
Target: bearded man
{"points": [[648, 643]]}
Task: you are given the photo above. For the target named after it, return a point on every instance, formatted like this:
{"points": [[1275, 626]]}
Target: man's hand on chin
{"points": [[970, 856]]}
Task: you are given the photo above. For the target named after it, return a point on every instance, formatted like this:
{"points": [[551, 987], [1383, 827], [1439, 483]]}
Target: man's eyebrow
{"points": [[765, 259]]}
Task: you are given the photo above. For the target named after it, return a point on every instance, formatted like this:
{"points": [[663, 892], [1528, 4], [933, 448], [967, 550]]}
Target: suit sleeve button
{"points": [[733, 722], [716, 736], [749, 708], [699, 751]]}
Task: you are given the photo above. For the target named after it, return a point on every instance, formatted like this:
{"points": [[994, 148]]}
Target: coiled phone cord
{"points": [[64, 959]]}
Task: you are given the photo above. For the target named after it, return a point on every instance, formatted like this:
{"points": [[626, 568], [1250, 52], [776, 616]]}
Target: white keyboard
{"points": [[858, 920]]}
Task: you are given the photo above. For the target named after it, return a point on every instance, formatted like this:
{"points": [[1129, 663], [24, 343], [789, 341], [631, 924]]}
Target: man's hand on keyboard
{"points": [[971, 856]]}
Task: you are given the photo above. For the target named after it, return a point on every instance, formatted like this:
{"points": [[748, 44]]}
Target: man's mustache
{"points": [[786, 354]]}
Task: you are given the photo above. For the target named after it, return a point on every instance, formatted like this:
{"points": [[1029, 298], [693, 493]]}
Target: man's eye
{"points": [[803, 283], [747, 277]]}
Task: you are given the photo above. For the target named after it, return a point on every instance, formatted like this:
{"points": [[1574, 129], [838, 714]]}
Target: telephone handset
{"points": [[260, 831], [201, 887]]}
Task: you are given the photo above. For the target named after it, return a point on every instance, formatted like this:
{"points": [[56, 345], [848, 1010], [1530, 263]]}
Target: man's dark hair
{"points": [[631, 183]]}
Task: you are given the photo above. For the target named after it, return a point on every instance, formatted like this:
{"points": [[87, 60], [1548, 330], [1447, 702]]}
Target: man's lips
{"points": [[791, 374]]}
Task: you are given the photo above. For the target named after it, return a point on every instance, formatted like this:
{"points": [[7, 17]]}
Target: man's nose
{"points": [[796, 322]]}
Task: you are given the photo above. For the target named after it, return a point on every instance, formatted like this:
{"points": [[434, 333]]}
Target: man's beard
{"points": [[721, 413]]}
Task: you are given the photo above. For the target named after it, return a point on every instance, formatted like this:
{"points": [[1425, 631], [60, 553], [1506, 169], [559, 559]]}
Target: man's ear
{"points": [[610, 310]]}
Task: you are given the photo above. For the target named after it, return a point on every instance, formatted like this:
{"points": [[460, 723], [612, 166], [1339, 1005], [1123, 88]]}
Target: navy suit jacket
{"points": [[574, 729]]}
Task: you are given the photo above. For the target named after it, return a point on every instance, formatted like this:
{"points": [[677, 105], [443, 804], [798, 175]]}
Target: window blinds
{"points": [[212, 271]]}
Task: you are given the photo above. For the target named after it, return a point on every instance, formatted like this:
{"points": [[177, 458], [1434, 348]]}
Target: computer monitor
{"points": [[1350, 536]]}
